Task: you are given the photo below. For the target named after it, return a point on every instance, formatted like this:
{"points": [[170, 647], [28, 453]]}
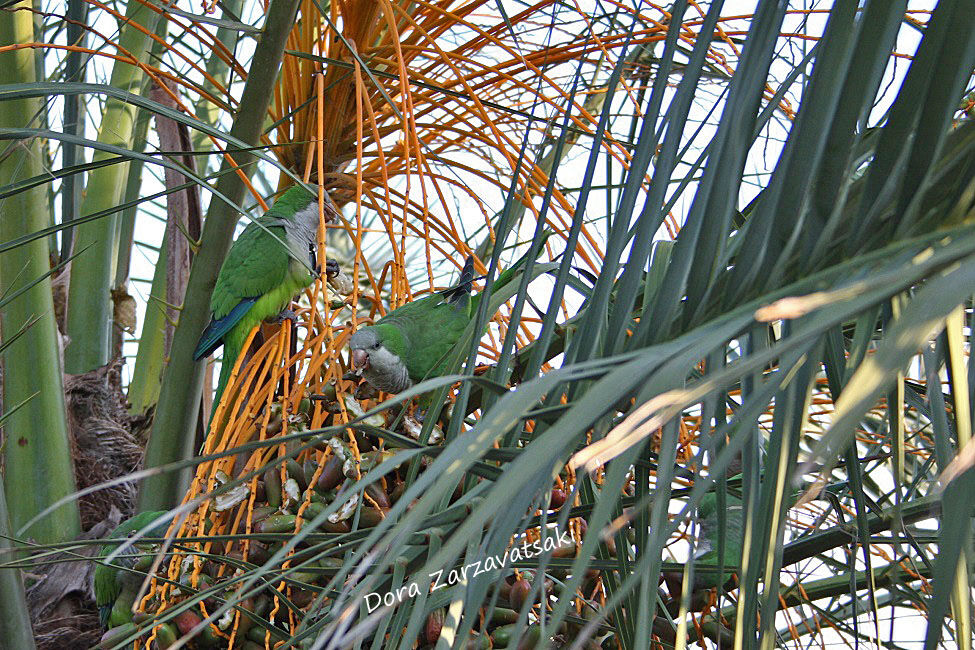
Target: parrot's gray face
{"points": [[305, 222], [380, 367], [302, 230]]}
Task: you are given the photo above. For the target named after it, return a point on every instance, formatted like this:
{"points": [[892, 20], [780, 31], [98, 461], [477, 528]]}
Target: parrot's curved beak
{"points": [[360, 360], [331, 212]]}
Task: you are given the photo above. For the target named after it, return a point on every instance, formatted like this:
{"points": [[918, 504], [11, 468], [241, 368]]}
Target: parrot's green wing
{"points": [[271, 261], [256, 264], [429, 328], [106, 591], [422, 332], [708, 517], [427, 337]]}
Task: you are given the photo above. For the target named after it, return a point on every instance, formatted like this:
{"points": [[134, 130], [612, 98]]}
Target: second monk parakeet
{"points": [[273, 259], [412, 343], [115, 587]]}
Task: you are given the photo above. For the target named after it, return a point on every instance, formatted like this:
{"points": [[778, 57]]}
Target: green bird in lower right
{"points": [[116, 585], [413, 342]]}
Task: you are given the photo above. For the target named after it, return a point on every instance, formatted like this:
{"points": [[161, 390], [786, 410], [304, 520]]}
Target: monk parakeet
{"points": [[706, 555], [115, 587], [412, 343], [273, 259]]}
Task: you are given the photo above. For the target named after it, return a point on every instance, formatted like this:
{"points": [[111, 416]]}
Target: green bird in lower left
{"points": [[116, 584]]}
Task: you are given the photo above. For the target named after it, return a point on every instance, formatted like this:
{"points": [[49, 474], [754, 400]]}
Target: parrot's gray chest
{"points": [[387, 372]]}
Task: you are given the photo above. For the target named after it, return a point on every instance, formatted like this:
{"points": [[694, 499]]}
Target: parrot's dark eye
{"points": [[313, 256]]}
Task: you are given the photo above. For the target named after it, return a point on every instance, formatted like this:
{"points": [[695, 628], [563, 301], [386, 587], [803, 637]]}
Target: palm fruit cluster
{"points": [[260, 512], [253, 506], [241, 529]]}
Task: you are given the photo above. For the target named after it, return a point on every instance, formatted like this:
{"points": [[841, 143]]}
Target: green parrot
{"points": [[116, 588], [707, 551], [413, 342], [273, 259], [706, 554]]}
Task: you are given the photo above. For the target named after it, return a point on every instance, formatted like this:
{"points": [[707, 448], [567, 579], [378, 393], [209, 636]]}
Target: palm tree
{"points": [[743, 342]]}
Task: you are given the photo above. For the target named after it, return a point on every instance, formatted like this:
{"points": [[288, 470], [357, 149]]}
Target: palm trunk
{"points": [[169, 279], [156, 330], [92, 272], [37, 457], [149, 360], [74, 119], [133, 185], [15, 628]]}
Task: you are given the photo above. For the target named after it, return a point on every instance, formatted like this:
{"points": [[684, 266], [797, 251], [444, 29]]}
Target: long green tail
{"points": [[509, 273], [231, 350]]}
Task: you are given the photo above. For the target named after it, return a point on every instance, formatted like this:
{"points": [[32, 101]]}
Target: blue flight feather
{"points": [[105, 613], [212, 337]]}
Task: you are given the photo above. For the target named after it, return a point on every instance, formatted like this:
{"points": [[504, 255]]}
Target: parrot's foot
{"points": [[286, 314], [365, 390], [332, 268]]}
